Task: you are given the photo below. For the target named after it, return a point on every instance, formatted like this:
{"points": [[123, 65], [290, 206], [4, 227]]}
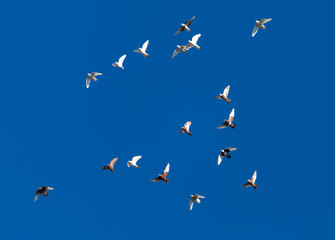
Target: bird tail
{"points": [[95, 79], [233, 125], [255, 186], [228, 100], [263, 26], [228, 155]]}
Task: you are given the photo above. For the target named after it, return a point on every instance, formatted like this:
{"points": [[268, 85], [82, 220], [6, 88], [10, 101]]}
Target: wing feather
{"points": [[135, 159], [254, 176], [226, 91], [231, 115], [112, 163], [265, 20], [145, 45], [121, 59]]}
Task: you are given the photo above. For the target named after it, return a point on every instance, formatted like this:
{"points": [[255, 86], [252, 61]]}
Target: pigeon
{"points": [[163, 176], [224, 95], [120, 62], [259, 24], [193, 42], [195, 198], [143, 49], [186, 128], [229, 121], [134, 161], [185, 26], [91, 76], [252, 181], [178, 50], [42, 190], [110, 166], [225, 152]]}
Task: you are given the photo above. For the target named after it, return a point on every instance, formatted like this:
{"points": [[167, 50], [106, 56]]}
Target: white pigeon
{"points": [[134, 161], [178, 50], [259, 24], [120, 62], [143, 49], [91, 76], [193, 42], [224, 95], [195, 198]]}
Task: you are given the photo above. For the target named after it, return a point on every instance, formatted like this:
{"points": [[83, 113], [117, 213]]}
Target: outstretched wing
{"points": [[121, 59], [166, 170], [187, 125], [38, 193], [188, 46], [179, 30], [157, 179], [220, 159], [223, 125], [231, 116], [135, 159], [112, 163], [254, 176], [145, 45], [195, 38], [88, 80], [246, 185], [188, 22], [255, 30], [175, 53], [226, 91], [229, 149], [191, 203], [265, 20], [95, 74]]}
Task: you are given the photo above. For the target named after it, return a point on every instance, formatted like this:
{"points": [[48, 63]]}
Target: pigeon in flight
{"points": [[193, 42], [162, 177], [91, 76], [110, 166], [224, 95], [224, 153], [42, 190], [185, 26], [252, 181], [120, 62], [134, 161], [179, 49], [195, 198], [259, 24], [228, 122], [186, 128], [143, 49]]}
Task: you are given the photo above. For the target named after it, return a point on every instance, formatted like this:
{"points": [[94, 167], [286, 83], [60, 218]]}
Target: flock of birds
{"points": [[186, 128]]}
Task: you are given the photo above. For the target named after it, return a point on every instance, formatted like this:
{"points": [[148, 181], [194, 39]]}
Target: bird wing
{"points": [[135, 159], [145, 45], [187, 125], [191, 202], [246, 185], [166, 170], [265, 20], [226, 91], [156, 179], [37, 194], [179, 30], [121, 59], [175, 53], [231, 116], [88, 80], [112, 163], [223, 125], [255, 30], [254, 176], [195, 38], [188, 22], [219, 159], [188, 46], [199, 196], [229, 149], [95, 74]]}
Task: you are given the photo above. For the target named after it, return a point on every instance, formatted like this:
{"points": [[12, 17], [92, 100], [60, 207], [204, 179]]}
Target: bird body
{"points": [[195, 198], [186, 128], [120, 62], [134, 161], [225, 153], [91, 76], [252, 181], [224, 95], [143, 49], [185, 26], [162, 177], [259, 24], [228, 122], [110, 166], [42, 190], [193, 42]]}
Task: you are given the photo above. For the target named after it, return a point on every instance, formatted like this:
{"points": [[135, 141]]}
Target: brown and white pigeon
{"points": [[224, 95], [228, 122], [196, 199], [185, 26], [91, 76], [42, 190], [259, 24], [162, 177], [110, 166], [224, 153], [252, 181], [186, 128]]}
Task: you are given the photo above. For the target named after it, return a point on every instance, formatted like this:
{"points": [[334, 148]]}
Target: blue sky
{"points": [[55, 132]]}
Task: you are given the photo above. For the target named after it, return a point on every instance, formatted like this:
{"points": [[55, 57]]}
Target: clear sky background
{"points": [[57, 133]]}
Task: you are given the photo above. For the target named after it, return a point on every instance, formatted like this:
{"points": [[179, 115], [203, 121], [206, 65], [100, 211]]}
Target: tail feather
{"points": [[263, 26], [255, 186]]}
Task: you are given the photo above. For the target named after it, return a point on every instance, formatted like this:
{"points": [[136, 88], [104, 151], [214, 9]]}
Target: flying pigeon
{"points": [[224, 153], [134, 161], [185, 26], [178, 50], [91, 76], [259, 24], [143, 49], [186, 128], [195, 198], [252, 181], [42, 190], [224, 95], [163, 176], [229, 121], [193, 42], [120, 62], [110, 166]]}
